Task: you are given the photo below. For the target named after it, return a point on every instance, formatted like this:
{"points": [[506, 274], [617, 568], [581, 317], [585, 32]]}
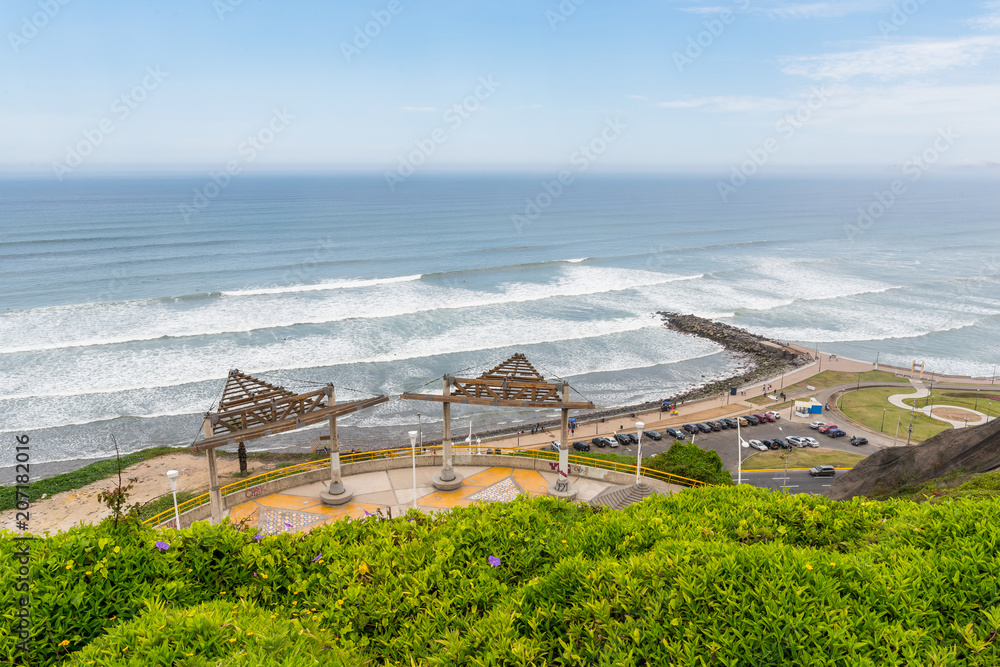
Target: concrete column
{"points": [[447, 479], [562, 487], [337, 493], [214, 492]]}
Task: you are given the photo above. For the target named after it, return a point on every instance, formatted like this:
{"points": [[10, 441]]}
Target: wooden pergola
{"points": [[252, 408], [514, 384]]}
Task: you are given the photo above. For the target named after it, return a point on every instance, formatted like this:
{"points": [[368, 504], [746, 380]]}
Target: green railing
{"points": [[405, 452]]}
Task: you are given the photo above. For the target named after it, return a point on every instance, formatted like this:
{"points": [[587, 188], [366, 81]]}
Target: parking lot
{"points": [[724, 443]]}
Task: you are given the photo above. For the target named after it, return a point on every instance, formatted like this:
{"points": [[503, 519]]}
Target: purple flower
{"points": [[255, 574], [288, 525], [494, 561], [318, 556], [367, 513], [257, 537], [162, 546]]}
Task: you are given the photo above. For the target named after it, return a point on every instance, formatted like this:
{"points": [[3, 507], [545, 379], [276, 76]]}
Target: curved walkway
{"points": [[921, 391]]}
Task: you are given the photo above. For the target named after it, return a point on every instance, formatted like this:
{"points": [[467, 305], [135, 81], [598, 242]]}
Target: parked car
{"points": [[703, 427], [817, 425], [690, 428], [774, 414], [751, 419], [633, 438], [810, 442], [823, 471], [622, 439], [654, 435], [769, 443], [858, 441], [743, 421], [836, 433], [599, 441], [581, 446], [781, 442], [676, 434], [827, 427], [764, 417], [553, 446], [612, 442], [731, 421], [795, 440], [758, 445]]}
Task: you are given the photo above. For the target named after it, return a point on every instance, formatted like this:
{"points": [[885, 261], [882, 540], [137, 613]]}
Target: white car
{"points": [[817, 425], [773, 414], [810, 442], [758, 445], [795, 440]]}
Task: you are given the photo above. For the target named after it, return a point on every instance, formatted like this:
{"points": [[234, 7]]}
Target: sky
{"points": [[388, 85]]}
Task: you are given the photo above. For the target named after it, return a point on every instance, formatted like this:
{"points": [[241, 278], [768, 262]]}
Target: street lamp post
{"points": [[413, 451], [639, 426], [882, 425], [899, 417], [740, 443], [172, 476], [420, 434], [976, 407]]}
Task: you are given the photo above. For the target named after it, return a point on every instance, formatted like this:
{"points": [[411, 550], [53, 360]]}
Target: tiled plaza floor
{"points": [[391, 491]]}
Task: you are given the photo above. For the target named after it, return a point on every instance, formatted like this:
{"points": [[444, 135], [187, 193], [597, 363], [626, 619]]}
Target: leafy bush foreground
{"points": [[710, 576]]}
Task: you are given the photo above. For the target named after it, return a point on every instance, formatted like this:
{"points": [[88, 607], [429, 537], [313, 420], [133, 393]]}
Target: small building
{"points": [[808, 407]]}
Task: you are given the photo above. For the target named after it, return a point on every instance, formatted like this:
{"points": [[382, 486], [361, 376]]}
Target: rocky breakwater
{"points": [[767, 358]]}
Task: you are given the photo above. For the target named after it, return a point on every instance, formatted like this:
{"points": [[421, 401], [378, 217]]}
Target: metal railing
{"points": [[433, 450]]}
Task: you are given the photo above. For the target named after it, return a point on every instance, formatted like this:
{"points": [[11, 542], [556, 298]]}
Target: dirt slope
{"points": [[975, 449]]}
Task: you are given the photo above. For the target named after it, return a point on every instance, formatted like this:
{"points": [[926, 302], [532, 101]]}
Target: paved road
{"points": [[797, 482]]}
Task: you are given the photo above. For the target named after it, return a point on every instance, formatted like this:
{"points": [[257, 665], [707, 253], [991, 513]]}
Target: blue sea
{"points": [[119, 313]]}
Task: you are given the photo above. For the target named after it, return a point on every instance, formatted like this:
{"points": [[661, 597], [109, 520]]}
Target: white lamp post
{"points": [[638, 459], [739, 453], [172, 476], [413, 450]]}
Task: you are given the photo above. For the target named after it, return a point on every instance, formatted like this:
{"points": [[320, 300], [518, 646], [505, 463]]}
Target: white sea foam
{"points": [[321, 287], [132, 321], [178, 378]]}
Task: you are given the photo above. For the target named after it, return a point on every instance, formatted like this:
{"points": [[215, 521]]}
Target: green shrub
{"points": [[690, 461], [707, 576]]}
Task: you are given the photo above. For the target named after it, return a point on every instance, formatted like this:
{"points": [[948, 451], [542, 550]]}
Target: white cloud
{"points": [[729, 103], [896, 60], [989, 21], [782, 9]]}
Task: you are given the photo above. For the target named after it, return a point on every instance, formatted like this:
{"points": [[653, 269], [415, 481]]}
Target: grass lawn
{"points": [[866, 406], [987, 402], [832, 378], [802, 458]]}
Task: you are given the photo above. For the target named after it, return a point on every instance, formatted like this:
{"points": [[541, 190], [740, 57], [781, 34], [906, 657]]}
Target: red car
{"points": [[764, 417], [828, 427]]}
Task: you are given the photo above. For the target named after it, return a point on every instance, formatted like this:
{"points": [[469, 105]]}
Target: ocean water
{"points": [[119, 315]]}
